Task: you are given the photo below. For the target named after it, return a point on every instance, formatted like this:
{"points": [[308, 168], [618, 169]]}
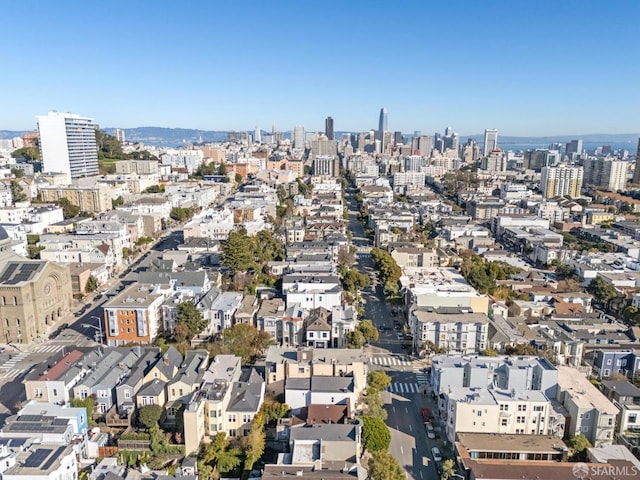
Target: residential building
{"points": [[269, 318], [561, 180], [301, 393], [591, 413], [68, 144], [607, 172], [283, 363], [133, 315], [312, 291], [326, 165], [94, 199], [456, 330], [53, 383], [318, 329], [494, 161], [608, 362], [483, 410], [44, 461]]}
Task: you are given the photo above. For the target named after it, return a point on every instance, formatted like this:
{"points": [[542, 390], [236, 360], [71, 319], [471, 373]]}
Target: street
{"points": [[406, 395]]}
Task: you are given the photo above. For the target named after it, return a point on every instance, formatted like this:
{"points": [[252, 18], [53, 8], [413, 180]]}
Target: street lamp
{"points": [[99, 327]]}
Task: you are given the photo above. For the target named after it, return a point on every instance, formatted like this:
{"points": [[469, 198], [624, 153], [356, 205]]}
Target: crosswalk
{"points": [[49, 348], [421, 377], [403, 387], [390, 361], [9, 370]]}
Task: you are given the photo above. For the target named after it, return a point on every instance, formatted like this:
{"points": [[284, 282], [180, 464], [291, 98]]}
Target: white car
{"points": [[436, 454], [399, 335], [430, 431]]}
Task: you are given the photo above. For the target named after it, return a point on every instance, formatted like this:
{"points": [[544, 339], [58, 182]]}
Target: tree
{"points": [[181, 214], [489, 352], [238, 178], [68, 209], [353, 280], [154, 189], [254, 443], [88, 403], [564, 270], [383, 466], [117, 201], [149, 415], [448, 469], [375, 434], [17, 192], [578, 445], [377, 380], [218, 456], [190, 316], [237, 251], [91, 285], [520, 349], [603, 291], [30, 154], [222, 170], [16, 172], [390, 272], [181, 332], [272, 410], [369, 331], [245, 341]]}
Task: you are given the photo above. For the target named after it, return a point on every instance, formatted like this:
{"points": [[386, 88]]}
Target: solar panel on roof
{"points": [[36, 458], [29, 418], [6, 275], [53, 458]]}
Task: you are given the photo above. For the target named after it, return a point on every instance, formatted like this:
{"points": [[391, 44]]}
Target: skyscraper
{"points": [[119, 134], [382, 122], [298, 136], [328, 128], [573, 149], [609, 173], [68, 144], [636, 172], [490, 141], [257, 134]]}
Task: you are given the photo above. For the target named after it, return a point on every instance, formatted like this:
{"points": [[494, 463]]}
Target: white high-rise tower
{"points": [[68, 144], [490, 141]]}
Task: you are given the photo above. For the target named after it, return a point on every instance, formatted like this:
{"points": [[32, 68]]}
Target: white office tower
{"points": [[68, 144], [298, 136], [490, 141], [257, 135]]}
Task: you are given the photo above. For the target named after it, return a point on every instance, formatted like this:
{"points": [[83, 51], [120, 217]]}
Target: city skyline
{"points": [[167, 67]]}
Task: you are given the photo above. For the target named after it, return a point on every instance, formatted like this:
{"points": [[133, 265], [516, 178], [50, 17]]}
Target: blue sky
{"points": [[525, 67]]}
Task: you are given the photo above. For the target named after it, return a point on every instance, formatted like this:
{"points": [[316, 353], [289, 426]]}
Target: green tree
{"points": [[218, 455], [238, 178], [603, 291], [108, 146], [16, 172], [17, 192], [181, 214], [237, 251], [266, 247], [205, 471], [68, 209], [91, 285], [149, 415], [489, 352], [222, 170], [578, 445], [377, 380], [272, 410], [448, 469], [154, 189], [190, 316], [383, 466], [88, 403], [126, 252], [30, 154], [375, 434], [375, 405], [353, 280], [245, 341], [117, 201], [254, 443], [390, 272], [369, 331]]}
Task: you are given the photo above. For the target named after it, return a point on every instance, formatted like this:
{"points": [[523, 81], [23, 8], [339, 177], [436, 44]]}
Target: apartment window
{"points": [[538, 408], [55, 392], [102, 394], [504, 422], [232, 417], [610, 422], [212, 413], [479, 413], [173, 392], [504, 407], [522, 408], [232, 432], [632, 418], [609, 361], [246, 418], [520, 419], [37, 392], [300, 369], [214, 427], [324, 334], [310, 334]]}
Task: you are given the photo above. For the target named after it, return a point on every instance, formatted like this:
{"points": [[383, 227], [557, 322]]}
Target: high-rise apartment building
{"points": [[495, 161], [561, 180], [257, 134], [609, 173], [68, 144], [328, 128], [298, 136], [119, 134], [490, 141], [326, 165], [573, 149], [422, 145], [636, 173], [413, 163], [382, 122]]}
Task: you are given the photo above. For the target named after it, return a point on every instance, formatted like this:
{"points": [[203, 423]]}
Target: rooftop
{"points": [[494, 442], [583, 393]]}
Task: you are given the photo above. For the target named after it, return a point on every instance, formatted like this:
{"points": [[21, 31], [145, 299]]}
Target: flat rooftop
{"points": [[583, 393], [494, 442]]}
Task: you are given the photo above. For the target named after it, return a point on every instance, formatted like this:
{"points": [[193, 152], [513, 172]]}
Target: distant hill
{"points": [[173, 137]]}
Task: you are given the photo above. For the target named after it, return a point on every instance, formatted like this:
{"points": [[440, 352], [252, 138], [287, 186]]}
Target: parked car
{"points": [[400, 335], [435, 451], [430, 431]]}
